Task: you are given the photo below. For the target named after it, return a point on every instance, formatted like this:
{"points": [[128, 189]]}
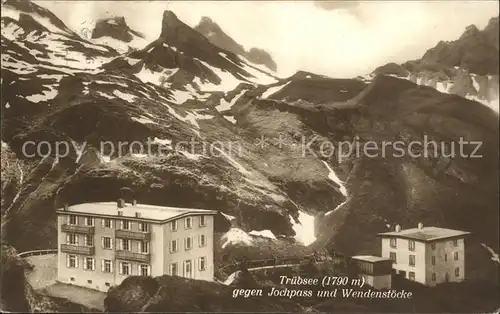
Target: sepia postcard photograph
{"points": [[250, 156]]}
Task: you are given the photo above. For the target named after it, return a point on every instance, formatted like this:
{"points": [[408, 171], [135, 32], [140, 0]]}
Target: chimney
{"points": [[420, 225], [120, 203], [134, 202], [397, 228], [65, 208]]}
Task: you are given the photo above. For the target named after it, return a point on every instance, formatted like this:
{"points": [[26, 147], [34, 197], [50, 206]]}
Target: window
{"points": [[433, 276], [433, 260], [125, 225], [143, 227], [107, 266], [107, 284], [188, 222], [144, 247], [457, 272], [202, 263], [433, 246], [173, 246], [106, 223], [455, 256], [144, 270], [106, 243], [173, 269], [124, 268], [72, 261], [411, 245], [411, 260], [187, 269], [88, 240], [89, 263], [173, 225], [392, 256], [72, 238], [455, 242], [125, 244], [188, 243], [89, 281], [202, 240], [393, 242], [446, 257], [411, 276], [72, 220], [202, 221], [72, 279], [89, 221]]}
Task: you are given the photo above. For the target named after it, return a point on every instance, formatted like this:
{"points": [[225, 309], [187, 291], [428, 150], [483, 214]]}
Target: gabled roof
{"points": [[146, 212], [425, 233]]}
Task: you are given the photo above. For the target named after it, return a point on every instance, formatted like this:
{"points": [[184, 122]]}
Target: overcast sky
{"points": [[340, 39]]}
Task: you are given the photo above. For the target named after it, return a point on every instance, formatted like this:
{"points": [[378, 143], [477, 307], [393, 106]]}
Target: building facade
{"points": [[374, 270], [428, 255], [101, 244]]}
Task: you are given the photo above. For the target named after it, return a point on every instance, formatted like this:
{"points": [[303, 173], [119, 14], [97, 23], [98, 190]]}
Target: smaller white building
{"points": [[375, 270], [429, 255]]}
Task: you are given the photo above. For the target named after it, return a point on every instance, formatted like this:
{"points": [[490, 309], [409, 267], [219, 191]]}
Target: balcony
{"points": [[131, 256], [78, 229], [133, 235], [78, 249]]}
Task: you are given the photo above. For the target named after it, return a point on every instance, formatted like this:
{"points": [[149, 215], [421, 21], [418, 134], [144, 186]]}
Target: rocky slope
{"points": [[169, 294], [17, 295], [219, 132], [467, 67], [208, 28]]}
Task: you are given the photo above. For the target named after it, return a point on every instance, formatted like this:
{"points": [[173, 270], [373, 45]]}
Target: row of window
{"points": [[411, 275], [411, 258], [187, 267], [126, 244], [411, 244], [142, 226], [125, 268], [188, 243]]}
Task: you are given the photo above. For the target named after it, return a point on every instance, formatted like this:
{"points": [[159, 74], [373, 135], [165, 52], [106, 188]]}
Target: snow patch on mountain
{"points": [[230, 119], [125, 96], [236, 236], [304, 229], [263, 233], [225, 105], [155, 77], [144, 120], [45, 95], [273, 90], [333, 176]]}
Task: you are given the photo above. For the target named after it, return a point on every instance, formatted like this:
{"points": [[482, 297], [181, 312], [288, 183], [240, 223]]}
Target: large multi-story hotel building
{"points": [[428, 255], [100, 244]]}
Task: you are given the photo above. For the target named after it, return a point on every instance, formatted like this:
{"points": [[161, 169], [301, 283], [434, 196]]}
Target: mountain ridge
{"points": [[183, 87]]}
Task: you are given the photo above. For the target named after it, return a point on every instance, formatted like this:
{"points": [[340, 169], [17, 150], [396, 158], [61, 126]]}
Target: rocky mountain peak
{"points": [[470, 30], [175, 31], [214, 33], [114, 27]]}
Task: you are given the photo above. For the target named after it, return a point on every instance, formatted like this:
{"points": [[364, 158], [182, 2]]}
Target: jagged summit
{"points": [[470, 30], [115, 27], [214, 33], [174, 31], [476, 50], [114, 32]]}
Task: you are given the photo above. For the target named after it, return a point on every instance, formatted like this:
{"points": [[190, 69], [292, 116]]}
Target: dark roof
{"points": [[426, 233]]}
